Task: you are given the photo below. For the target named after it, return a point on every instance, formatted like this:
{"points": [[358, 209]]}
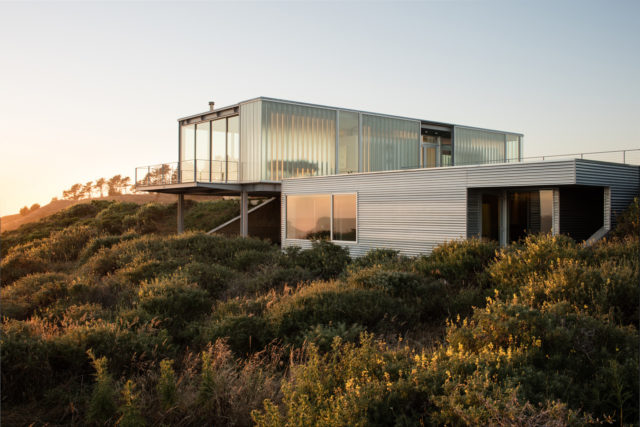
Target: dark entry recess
{"points": [[581, 211]]}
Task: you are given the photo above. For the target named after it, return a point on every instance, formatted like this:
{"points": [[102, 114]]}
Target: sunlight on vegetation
{"points": [[108, 318]]}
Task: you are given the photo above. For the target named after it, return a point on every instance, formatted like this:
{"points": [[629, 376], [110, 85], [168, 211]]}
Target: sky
{"points": [[94, 89]]}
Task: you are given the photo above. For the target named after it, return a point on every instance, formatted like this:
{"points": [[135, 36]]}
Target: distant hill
{"points": [[11, 222]]}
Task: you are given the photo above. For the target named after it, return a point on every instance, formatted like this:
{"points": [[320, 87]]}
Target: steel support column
{"points": [[244, 213], [180, 213], [503, 218]]}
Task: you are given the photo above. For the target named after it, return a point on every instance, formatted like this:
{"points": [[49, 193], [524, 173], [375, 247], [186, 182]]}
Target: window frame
{"points": [[331, 239]]}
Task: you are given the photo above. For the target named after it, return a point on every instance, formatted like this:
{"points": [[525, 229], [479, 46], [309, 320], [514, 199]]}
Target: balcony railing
{"points": [[219, 171], [199, 170]]}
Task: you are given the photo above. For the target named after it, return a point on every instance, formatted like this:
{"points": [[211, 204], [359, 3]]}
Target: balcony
{"points": [[188, 171]]}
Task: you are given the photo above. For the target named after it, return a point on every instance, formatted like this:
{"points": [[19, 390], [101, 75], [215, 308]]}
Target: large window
{"points": [[322, 217], [344, 217], [187, 152], [309, 217], [389, 143], [218, 150], [202, 151]]}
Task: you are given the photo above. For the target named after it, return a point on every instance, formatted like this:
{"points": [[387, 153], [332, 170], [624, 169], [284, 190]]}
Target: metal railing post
{"points": [[195, 170]]}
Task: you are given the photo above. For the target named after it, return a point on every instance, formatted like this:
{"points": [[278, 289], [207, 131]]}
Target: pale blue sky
{"points": [[94, 89]]}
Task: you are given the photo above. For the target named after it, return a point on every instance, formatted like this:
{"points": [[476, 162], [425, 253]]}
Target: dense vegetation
{"points": [[108, 318]]}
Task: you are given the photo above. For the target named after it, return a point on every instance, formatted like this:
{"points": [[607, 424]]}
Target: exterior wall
{"points": [[623, 181], [409, 211], [414, 211]]}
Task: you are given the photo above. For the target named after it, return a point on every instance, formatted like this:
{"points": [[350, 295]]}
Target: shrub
{"points": [[628, 221], [111, 219], [214, 278], [130, 414], [166, 387], [102, 406], [325, 302], [377, 257], [324, 260], [18, 263], [31, 293], [458, 262], [175, 302], [245, 334]]}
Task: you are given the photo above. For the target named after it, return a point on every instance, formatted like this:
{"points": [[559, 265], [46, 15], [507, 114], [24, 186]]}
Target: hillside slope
{"points": [[108, 318], [11, 222]]}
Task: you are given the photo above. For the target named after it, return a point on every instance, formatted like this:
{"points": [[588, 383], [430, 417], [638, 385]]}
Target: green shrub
{"points": [[111, 219], [214, 278], [19, 263], [102, 406], [245, 334], [460, 262], [628, 221], [205, 216], [377, 257], [324, 260], [167, 387], [174, 302], [31, 293], [269, 277], [325, 302], [322, 336], [251, 259], [97, 243], [130, 414]]}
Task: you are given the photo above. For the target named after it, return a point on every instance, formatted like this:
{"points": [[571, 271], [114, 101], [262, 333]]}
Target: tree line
{"points": [[113, 186]]}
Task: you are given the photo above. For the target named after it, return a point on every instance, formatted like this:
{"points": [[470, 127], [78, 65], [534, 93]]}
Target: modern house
{"points": [[366, 180]]}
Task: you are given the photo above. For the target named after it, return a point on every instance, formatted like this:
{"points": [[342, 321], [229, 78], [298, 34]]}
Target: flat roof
{"points": [[306, 104]]}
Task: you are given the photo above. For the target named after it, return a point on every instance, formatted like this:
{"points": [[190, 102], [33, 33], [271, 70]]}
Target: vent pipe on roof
{"points": [[211, 104]]}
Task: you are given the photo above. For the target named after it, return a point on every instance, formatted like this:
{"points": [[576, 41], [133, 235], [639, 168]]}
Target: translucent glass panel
{"points": [[187, 152], [250, 141], [389, 144], [233, 147], [513, 148], [344, 217], [297, 141], [309, 217], [475, 146], [218, 150], [348, 133], [202, 151], [546, 211]]}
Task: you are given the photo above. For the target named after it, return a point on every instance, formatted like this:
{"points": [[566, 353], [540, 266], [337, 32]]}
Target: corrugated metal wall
{"points": [[415, 211], [624, 181]]}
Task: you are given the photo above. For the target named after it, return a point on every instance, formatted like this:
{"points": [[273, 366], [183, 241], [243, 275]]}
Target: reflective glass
{"points": [[308, 217], [187, 152], [389, 144], [546, 211], [344, 217], [202, 151], [348, 142], [297, 141], [233, 147], [477, 146], [513, 148], [218, 150]]}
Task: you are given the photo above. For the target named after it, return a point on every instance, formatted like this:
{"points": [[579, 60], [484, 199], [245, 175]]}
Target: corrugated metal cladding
{"points": [[415, 211], [250, 141], [623, 180]]}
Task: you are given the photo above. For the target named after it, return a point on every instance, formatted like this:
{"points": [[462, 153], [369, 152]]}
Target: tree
{"points": [[24, 211], [113, 185], [100, 185], [86, 190], [34, 207], [74, 193]]}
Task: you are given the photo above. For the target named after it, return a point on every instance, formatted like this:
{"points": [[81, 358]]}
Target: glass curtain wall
{"points": [[187, 152], [297, 141], [389, 143], [218, 150], [513, 148], [233, 147], [250, 141], [348, 135], [475, 146], [203, 136]]}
